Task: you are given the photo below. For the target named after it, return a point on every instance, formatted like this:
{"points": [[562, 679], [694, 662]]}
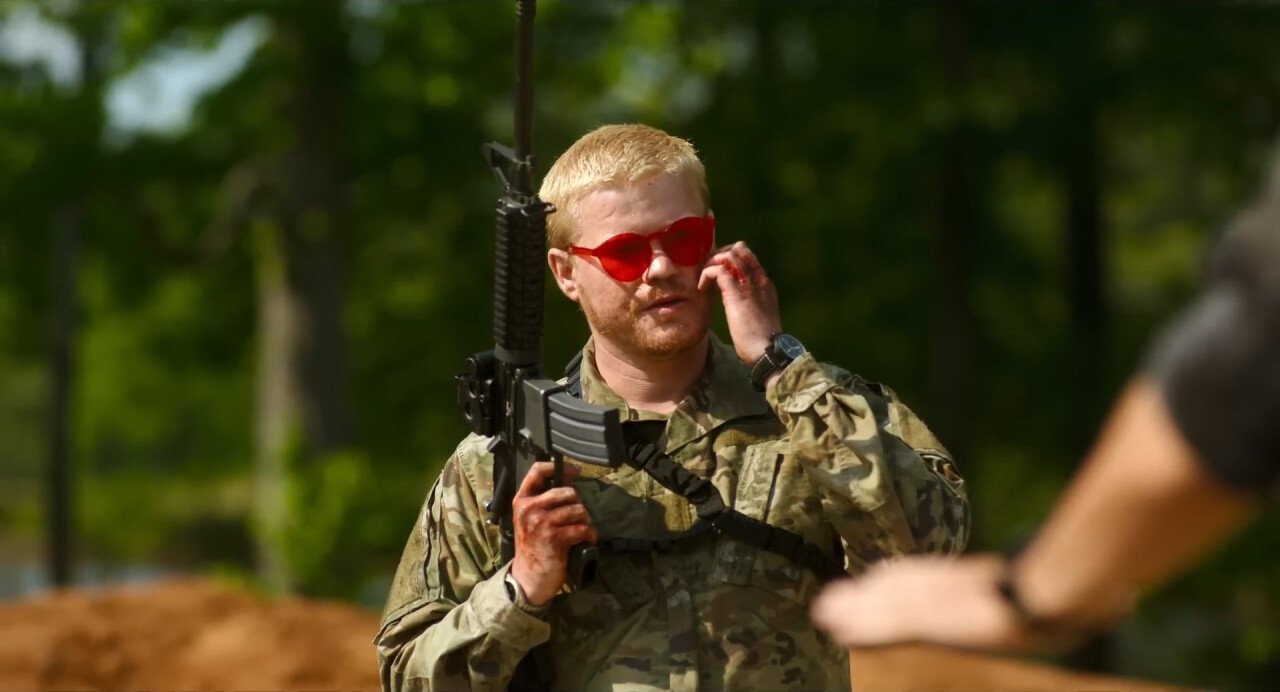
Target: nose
{"points": [[660, 265]]}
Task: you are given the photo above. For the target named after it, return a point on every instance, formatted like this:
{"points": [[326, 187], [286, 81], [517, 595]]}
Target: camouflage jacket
{"points": [[828, 456]]}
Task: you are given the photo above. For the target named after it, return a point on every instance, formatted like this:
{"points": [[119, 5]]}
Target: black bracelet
{"points": [[1008, 591], [1051, 631]]}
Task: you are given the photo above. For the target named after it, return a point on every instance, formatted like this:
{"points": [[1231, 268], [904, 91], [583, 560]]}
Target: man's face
{"points": [[662, 313]]}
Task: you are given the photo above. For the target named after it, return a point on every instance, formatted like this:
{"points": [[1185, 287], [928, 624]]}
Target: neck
{"points": [[648, 383]]}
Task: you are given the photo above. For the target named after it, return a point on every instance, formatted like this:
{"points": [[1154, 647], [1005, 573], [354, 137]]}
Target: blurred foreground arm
{"points": [[1190, 446], [1142, 509]]}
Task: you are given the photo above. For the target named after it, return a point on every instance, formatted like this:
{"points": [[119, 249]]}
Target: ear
{"points": [[561, 264]]}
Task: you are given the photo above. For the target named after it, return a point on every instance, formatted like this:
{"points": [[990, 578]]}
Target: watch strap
{"points": [[769, 362], [516, 595]]}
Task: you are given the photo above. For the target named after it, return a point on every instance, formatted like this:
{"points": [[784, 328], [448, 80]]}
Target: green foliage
{"points": [[828, 130], [324, 512], [155, 381]]}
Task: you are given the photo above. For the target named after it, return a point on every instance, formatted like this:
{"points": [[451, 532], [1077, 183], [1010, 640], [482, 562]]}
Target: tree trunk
{"points": [[81, 145], [1085, 232], [1085, 237], [954, 228], [60, 519], [278, 403], [303, 409]]}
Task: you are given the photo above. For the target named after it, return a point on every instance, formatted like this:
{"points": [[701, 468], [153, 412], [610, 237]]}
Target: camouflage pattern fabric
{"points": [[833, 458]]}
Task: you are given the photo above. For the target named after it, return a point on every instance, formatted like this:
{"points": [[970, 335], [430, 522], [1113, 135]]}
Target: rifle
{"points": [[501, 394]]}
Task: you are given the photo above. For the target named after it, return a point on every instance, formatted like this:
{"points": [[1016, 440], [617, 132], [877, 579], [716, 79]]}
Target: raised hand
{"points": [[749, 297]]}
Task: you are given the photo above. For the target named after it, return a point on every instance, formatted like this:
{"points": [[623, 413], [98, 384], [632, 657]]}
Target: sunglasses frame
{"points": [[707, 225]]}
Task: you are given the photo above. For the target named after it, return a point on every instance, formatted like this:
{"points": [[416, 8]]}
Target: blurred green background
{"points": [[244, 246]]}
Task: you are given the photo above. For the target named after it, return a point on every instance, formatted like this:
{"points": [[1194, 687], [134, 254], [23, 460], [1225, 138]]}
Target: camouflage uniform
{"points": [[828, 456]]}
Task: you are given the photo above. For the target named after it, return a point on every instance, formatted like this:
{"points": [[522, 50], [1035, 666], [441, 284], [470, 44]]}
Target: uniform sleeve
{"points": [[887, 484], [448, 624]]}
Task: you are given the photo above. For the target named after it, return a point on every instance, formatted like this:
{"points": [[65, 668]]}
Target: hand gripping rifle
{"points": [[501, 393]]}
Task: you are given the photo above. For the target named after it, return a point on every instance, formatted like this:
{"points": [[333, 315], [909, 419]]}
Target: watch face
{"points": [[789, 345]]}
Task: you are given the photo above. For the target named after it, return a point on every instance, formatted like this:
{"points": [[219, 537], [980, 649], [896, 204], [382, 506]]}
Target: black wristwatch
{"points": [[782, 349]]}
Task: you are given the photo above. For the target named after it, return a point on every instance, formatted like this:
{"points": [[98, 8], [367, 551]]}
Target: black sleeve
{"points": [[1219, 364]]}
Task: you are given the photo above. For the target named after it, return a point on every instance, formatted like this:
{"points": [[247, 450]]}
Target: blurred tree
{"points": [[79, 142], [955, 225], [53, 130], [303, 399]]}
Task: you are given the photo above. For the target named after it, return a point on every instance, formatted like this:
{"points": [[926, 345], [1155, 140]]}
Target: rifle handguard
{"points": [[519, 244]]}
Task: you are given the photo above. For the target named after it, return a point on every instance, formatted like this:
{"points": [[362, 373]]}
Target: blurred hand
{"points": [[750, 299], [923, 599], [547, 523]]}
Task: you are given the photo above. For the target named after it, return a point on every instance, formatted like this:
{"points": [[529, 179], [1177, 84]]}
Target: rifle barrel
{"points": [[525, 10]]}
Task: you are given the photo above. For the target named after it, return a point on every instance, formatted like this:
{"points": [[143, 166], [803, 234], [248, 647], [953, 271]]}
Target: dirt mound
{"points": [[184, 635], [198, 635]]}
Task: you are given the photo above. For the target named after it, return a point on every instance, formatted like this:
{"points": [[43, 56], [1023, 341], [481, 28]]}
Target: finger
{"points": [[750, 264], [536, 479], [538, 517], [731, 266], [560, 537], [568, 515], [853, 617], [730, 281], [828, 606], [573, 534], [710, 274], [722, 255], [571, 473], [535, 522], [549, 499], [744, 264], [722, 274]]}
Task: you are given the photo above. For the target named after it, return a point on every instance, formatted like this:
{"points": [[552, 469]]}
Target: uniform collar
{"points": [[723, 394]]}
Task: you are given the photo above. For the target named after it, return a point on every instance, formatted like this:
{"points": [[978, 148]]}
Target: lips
{"points": [[666, 301]]}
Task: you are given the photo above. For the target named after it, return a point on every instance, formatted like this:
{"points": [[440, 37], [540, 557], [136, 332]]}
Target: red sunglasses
{"points": [[626, 256]]}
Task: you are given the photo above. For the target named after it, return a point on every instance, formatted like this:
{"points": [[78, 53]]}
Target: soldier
{"points": [[1189, 452], [825, 467]]}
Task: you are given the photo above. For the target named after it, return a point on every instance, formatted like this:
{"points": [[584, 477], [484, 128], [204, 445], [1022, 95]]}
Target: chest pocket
{"points": [[774, 489]]}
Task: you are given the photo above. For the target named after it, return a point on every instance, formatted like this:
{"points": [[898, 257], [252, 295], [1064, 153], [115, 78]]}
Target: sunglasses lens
{"points": [[687, 241], [625, 257]]}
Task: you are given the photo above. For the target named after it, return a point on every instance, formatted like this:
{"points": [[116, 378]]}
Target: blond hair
{"points": [[608, 155]]}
